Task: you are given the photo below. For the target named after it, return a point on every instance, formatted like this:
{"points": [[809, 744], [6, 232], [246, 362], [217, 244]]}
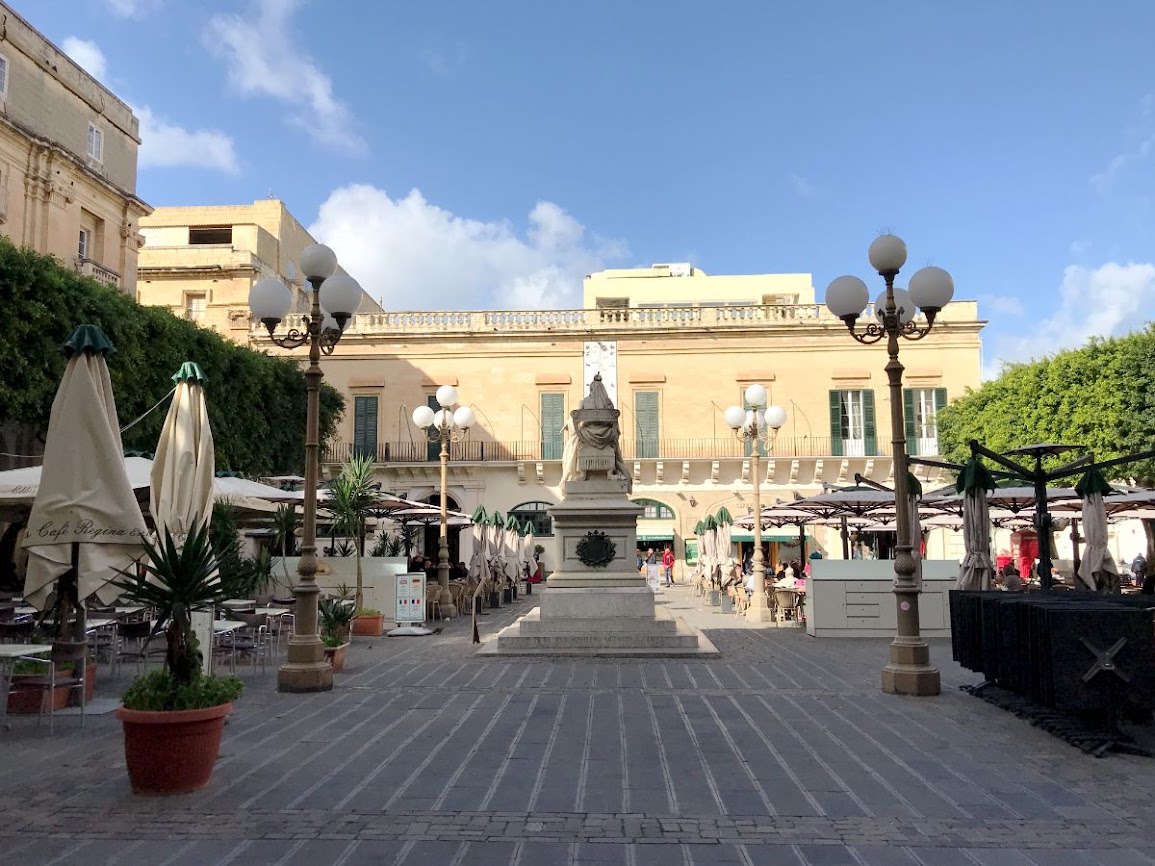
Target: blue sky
{"points": [[463, 155]]}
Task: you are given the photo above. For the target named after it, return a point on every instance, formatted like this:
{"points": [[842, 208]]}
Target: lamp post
{"points": [[909, 671], [754, 426], [446, 425], [305, 668]]}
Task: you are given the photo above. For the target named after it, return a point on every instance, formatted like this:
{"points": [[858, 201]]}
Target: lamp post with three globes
{"points": [[305, 668], [909, 671]]}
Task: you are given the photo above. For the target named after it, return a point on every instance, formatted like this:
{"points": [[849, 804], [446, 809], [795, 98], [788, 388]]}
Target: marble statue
{"points": [[593, 444]]}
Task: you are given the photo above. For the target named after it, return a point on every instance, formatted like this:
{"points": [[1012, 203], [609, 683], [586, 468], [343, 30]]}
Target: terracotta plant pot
{"points": [[172, 752], [336, 656], [27, 696], [369, 625]]}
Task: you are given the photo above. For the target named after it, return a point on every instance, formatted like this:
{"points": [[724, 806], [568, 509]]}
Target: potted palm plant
{"points": [[351, 498], [336, 615], [173, 716]]}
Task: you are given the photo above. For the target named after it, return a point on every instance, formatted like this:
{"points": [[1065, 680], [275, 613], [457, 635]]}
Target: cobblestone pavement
{"points": [[781, 751]]}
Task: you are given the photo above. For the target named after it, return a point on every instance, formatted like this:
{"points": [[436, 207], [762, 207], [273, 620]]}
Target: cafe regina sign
{"points": [[83, 530]]}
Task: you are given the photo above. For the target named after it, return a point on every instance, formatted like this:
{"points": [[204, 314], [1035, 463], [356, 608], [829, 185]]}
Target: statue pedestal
{"points": [[596, 602]]}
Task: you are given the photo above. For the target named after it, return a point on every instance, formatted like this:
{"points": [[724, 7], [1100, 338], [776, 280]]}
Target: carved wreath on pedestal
{"points": [[596, 550]]}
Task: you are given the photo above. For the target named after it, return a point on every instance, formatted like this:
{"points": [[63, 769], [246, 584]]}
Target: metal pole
{"points": [[759, 610], [305, 668], [449, 609], [845, 538], [909, 671], [1042, 524]]}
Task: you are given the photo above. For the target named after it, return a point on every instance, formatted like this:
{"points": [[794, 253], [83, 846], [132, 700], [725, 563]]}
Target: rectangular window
{"points": [[365, 427], [552, 422], [194, 307], [852, 425], [95, 142], [646, 423], [920, 409], [84, 245], [198, 235], [3, 76]]}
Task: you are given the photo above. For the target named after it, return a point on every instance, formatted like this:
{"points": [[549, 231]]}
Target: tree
{"points": [[1101, 395], [256, 403], [351, 496]]}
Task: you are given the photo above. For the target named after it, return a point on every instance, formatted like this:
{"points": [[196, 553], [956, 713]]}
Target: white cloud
{"points": [[1138, 152], [1107, 301], [132, 8], [412, 255], [804, 188], [1001, 305], [264, 59], [87, 56], [165, 145]]}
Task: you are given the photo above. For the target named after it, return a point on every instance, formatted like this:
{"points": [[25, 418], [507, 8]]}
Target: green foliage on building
{"points": [[256, 403]]}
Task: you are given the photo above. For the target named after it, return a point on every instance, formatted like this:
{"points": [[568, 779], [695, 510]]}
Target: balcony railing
{"points": [[89, 268], [480, 451], [489, 322]]}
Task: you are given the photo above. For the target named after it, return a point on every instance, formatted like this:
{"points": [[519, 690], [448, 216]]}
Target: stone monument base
{"points": [[608, 621]]}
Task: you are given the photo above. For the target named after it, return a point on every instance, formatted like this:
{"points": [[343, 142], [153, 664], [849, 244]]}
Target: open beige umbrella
{"points": [[181, 497], [85, 523]]}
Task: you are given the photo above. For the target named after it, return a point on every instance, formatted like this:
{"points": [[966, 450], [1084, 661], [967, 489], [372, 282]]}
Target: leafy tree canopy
{"points": [[1101, 395], [256, 403]]}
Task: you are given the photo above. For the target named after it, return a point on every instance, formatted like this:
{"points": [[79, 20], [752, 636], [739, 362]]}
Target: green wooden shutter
{"points": [[909, 414], [646, 419], [868, 425], [433, 449], [939, 400], [365, 426], [836, 423], [552, 421]]}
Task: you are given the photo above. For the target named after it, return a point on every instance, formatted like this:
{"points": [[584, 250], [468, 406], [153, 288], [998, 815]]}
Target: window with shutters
{"points": [[433, 449], [95, 142], [852, 426], [3, 77], [365, 427], [646, 423], [552, 416], [920, 409]]}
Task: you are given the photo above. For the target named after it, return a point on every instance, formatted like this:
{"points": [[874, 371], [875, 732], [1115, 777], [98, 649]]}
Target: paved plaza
{"points": [[781, 751]]}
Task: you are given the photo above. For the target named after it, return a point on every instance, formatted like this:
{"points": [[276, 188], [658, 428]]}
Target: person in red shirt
{"points": [[668, 565]]}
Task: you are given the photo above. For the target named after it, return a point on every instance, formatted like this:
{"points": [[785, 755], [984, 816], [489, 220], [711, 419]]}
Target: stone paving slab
{"points": [[781, 750]]}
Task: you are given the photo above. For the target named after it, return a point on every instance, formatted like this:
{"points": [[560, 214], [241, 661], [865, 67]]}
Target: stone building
{"points": [[68, 155]]}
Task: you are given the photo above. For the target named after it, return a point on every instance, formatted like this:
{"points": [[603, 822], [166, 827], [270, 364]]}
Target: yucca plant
{"points": [[336, 615], [175, 581], [351, 498]]}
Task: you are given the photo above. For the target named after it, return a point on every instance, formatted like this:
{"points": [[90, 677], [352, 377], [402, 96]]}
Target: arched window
{"points": [[536, 514], [655, 510]]}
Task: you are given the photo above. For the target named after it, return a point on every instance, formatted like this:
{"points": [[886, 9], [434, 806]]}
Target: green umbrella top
{"points": [[479, 515], [974, 476], [1092, 482], [190, 371], [511, 523], [88, 338], [711, 523], [913, 485], [723, 517], [496, 519], [699, 527]]}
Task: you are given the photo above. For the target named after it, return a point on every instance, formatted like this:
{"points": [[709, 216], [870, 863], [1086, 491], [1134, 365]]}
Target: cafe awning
{"points": [[777, 535]]}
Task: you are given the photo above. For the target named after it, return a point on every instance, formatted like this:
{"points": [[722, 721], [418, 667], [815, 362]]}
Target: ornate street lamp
{"points": [[444, 426], [909, 671], [305, 668], [758, 426]]}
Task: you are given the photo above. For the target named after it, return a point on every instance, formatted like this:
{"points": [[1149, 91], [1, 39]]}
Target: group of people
{"points": [[666, 559], [792, 575], [1009, 578]]}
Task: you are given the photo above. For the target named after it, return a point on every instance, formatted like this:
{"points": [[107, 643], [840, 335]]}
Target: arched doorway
{"points": [[433, 531]]}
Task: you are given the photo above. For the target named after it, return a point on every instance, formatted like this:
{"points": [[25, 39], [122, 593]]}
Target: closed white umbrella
{"points": [[724, 546], [914, 494], [85, 514], [1097, 569], [976, 570], [181, 496]]}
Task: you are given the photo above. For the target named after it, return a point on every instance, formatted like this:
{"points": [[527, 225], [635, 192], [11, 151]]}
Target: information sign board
{"points": [[410, 598]]}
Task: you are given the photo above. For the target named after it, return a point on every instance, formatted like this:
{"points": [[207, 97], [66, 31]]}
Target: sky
{"points": [[465, 155]]}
